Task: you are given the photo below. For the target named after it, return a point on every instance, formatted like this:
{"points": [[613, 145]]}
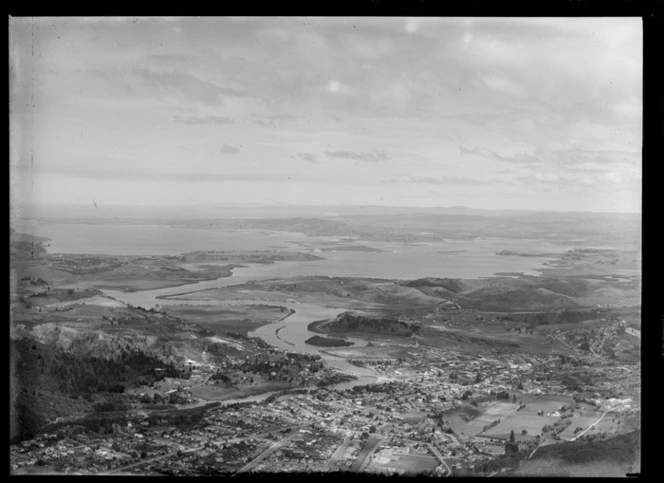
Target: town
{"points": [[436, 412]]}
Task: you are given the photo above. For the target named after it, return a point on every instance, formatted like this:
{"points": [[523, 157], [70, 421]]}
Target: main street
{"points": [[253, 463], [173, 452], [363, 458]]}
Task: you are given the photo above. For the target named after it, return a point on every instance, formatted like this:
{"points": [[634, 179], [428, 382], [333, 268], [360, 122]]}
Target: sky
{"points": [[494, 113]]}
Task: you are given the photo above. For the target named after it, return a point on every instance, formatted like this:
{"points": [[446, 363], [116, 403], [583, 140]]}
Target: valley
{"points": [[205, 331]]}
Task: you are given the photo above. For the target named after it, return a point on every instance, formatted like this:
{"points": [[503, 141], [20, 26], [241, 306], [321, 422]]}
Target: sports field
{"points": [[408, 463], [533, 424]]}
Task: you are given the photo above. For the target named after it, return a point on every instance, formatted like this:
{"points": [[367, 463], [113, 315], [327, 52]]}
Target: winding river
{"points": [[287, 334]]}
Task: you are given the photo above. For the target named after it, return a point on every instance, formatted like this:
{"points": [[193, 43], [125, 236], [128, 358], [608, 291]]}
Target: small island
{"points": [[319, 341]]}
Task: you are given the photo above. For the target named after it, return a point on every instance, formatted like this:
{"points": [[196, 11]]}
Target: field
{"points": [[97, 300], [407, 463], [500, 410], [372, 352], [578, 422], [531, 423], [546, 403], [131, 284], [244, 319], [478, 338], [510, 419]]}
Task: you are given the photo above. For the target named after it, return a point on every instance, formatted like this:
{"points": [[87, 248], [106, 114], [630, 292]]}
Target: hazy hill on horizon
{"points": [[94, 211], [371, 223]]}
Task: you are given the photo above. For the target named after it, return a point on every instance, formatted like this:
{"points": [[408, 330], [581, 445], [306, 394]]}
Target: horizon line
{"points": [[321, 206]]}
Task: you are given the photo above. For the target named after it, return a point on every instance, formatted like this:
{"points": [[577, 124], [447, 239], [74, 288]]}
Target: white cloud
{"points": [[336, 87], [501, 84], [114, 20], [466, 40], [518, 90], [412, 25], [612, 177], [548, 177], [630, 109]]}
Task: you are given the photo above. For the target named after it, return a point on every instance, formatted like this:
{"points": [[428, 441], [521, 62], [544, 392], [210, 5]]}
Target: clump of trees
{"points": [[349, 321], [113, 403], [79, 375], [325, 342]]}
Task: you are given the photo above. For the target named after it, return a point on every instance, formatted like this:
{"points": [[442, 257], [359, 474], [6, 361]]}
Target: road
{"points": [[560, 339], [536, 448], [439, 457], [305, 410], [170, 454], [367, 451], [546, 361], [593, 424], [584, 431], [150, 460], [452, 438], [339, 451], [252, 464], [201, 383]]}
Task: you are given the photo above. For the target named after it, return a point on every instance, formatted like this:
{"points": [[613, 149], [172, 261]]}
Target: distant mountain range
{"points": [[98, 211]]}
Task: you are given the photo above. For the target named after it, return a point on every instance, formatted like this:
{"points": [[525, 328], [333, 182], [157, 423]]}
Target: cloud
{"points": [[412, 26], [546, 177], [372, 156], [489, 154], [114, 19], [336, 87], [458, 180], [501, 84], [572, 162], [284, 117], [204, 120], [262, 123], [333, 86], [307, 157], [612, 177], [169, 59], [506, 89], [107, 174], [226, 149], [187, 85]]}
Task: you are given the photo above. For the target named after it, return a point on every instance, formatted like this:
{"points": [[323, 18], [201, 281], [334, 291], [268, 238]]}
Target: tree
{"points": [[512, 436], [513, 398]]}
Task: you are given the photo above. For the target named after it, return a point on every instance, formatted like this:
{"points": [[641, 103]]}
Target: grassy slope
{"points": [[614, 456]]}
